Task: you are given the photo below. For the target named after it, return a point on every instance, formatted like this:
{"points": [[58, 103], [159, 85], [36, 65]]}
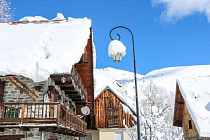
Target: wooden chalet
{"points": [[49, 109], [109, 111], [183, 116]]}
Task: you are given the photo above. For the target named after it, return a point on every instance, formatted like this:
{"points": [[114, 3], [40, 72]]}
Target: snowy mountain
{"points": [[120, 76], [165, 77]]}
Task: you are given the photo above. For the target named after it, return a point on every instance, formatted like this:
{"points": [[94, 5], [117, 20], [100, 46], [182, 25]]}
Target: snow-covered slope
{"points": [[117, 74], [165, 77], [120, 76]]}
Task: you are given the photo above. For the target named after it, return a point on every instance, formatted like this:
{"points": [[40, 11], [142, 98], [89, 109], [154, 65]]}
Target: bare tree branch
{"points": [[6, 12]]}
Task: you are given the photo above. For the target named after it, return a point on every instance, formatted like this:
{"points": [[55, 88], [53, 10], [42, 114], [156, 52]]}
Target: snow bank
{"points": [[38, 50], [31, 19], [196, 93]]}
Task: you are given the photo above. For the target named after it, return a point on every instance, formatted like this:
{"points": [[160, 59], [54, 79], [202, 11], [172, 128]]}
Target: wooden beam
{"points": [[24, 86], [57, 79], [66, 87], [10, 80], [177, 102]]}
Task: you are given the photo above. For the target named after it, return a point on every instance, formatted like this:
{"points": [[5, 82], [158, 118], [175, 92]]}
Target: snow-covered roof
{"points": [[196, 93], [36, 47], [102, 83]]}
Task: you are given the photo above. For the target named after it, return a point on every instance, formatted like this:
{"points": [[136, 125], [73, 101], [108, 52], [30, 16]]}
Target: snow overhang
{"points": [[38, 49]]}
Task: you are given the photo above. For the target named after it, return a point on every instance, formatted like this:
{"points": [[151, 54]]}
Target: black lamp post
{"points": [[119, 56]]}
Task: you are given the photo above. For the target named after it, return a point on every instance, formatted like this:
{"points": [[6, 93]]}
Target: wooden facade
{"points": [[109, 111], [188, 125], [178, 108], [85, 70], [182, 117]]}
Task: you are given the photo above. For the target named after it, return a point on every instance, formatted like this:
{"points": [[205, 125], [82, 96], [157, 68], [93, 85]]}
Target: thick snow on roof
{"points": [[102, 83], [38, 50], [196, 93]]}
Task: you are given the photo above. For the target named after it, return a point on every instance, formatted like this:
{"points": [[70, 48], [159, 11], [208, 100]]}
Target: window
{"points": [[87, 137], [119, 135], [190, 124]]}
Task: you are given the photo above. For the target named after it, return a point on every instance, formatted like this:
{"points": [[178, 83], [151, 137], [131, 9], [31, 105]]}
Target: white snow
{"points": [[31, 19], [116, 47], [59, 17], [118, 75], [196, 93], [38, 50]]}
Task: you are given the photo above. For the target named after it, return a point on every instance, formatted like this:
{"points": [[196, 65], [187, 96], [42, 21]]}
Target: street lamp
{"points": [[117, 51]]}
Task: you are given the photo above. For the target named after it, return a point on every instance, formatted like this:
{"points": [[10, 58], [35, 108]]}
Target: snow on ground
{"points": [[196, 93], [38, 50]]}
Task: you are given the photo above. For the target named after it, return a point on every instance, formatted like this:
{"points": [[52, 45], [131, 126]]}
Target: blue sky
{"points": [[166, 33]]}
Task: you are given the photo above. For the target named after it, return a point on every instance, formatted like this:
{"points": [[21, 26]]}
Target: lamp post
{"points": [[117, 57]]}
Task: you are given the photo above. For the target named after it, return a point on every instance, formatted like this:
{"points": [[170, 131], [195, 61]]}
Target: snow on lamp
{"points": [[116, 50]]}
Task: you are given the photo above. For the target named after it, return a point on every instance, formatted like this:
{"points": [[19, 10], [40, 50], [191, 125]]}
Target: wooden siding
{"points": [[188, 132], [109, 111], [178, 108], [85, 70]]}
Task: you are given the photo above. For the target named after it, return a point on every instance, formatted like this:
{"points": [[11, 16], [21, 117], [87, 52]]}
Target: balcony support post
{"points": [[22, 113]]}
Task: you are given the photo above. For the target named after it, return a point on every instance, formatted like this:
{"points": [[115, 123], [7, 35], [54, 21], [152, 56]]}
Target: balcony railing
{"points": [[52, 116], [78, 81]]}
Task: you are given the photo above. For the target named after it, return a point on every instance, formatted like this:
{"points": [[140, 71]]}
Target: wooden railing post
{"points": [[22, 113], [58, 113], [66, 117]]}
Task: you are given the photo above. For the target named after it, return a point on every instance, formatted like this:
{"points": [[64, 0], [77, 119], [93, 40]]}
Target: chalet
{"points": [[192, 107], [113, 110], [46, 77]]}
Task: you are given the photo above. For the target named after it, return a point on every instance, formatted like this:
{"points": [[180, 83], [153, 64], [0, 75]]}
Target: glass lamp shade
{"points": [[117, 57]]}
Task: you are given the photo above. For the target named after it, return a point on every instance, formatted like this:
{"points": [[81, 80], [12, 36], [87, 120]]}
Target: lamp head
{"points": [[116, 50]]}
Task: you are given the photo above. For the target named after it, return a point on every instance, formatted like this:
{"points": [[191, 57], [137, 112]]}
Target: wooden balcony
{"points": [[72, 85], [51, 117]]}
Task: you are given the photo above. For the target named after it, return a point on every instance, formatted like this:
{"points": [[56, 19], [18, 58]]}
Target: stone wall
{"points": [[13, 95], [35, 134]]}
